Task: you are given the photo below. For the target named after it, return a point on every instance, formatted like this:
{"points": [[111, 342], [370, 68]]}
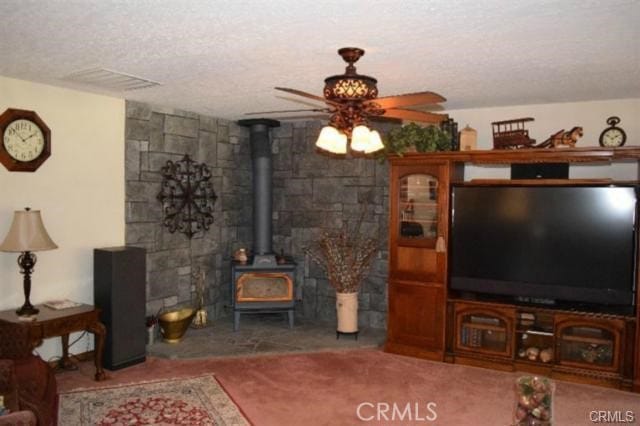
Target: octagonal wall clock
{"points": [[26, 140]]}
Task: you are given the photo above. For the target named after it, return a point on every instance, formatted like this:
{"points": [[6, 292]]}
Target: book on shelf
{"points": [[61, 304], [484, 320], [475, 338]]}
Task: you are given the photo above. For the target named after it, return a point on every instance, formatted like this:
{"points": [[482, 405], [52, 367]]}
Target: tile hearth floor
{"points": [[262, 334]]}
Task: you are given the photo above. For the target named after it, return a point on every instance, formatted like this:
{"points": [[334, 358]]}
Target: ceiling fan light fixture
{"points": [[360, 138], [352, 99], [365, 140], [375, 142], [332, 140]]}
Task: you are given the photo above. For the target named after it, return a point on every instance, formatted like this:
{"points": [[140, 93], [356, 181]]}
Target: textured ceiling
{"points": [[223, 58]]}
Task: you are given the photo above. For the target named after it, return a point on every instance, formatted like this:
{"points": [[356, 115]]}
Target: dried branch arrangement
{"points": [[345, 257], [198, 277]]}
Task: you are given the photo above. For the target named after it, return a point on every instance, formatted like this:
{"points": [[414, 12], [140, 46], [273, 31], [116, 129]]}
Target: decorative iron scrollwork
{"points": [[187, 196]]}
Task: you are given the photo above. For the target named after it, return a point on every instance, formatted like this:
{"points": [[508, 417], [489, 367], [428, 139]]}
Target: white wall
{"points": [[79, 189], [549, 118]]}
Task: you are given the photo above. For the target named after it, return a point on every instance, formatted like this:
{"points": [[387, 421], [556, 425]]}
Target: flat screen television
{"points": [[563, 245]]}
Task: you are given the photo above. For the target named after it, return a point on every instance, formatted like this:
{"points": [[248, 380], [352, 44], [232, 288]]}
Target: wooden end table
{"points": [[60, 322]]}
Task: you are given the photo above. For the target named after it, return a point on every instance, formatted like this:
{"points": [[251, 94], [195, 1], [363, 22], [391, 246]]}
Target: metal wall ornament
{"points": [[187, 196]]}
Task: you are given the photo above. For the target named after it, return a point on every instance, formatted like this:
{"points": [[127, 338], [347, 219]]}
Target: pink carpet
{"points": [[326, 388]]}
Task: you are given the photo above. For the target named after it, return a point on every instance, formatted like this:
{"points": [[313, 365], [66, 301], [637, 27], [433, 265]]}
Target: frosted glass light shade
{"points": [[27, 233], [332, 140], [360, 138], [375, 142]]}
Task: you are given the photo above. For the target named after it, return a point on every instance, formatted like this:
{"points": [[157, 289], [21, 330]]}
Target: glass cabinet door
{"points": [[482, 331], [418, 198], [586, 345]]}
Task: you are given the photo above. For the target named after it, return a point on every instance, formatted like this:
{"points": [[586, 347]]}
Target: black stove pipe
{"points": [[262, 183]]}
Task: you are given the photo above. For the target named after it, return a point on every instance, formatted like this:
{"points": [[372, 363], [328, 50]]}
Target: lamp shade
{"points": [[332, 140], [375, 142], [360, 138], [27, 233]]}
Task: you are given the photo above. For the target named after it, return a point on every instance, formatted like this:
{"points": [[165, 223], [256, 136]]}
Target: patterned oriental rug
{"points": [[186, 401]]}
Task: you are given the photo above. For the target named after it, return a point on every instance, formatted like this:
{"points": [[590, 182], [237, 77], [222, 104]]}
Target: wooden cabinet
{"points": [[578, 346], [428, 321], [419, 222]]}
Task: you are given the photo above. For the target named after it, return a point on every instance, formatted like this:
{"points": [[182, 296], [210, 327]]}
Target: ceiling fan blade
{"points": [[304, 117], [420, 98], [383, 119], [301, 93], [288, 110], [408, 114]]}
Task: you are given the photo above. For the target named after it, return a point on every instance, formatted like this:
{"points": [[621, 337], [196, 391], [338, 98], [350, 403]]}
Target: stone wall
{"points": [[312, 193], [155, 135], [315, 193]]}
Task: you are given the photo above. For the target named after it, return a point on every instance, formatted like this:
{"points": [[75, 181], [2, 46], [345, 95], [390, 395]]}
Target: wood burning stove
{"points": [[262, 284]]}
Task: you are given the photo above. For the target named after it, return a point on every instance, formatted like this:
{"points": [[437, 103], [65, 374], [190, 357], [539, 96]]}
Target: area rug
{"points": [[186, 401]]}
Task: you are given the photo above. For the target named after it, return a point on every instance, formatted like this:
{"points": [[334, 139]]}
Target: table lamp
{"points": [[26, 235]]}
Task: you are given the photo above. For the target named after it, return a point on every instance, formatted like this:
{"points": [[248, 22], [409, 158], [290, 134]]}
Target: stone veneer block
{"points": [[181, 126], [137, 129], [182, 145], [138, 110]]}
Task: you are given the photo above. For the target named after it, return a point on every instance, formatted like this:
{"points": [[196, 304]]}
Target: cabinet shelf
{"points": [[588, 340], [484, 327], [536, 332]]}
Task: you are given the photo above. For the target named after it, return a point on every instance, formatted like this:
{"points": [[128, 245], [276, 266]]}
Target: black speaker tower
{"points": [[119, 277]]}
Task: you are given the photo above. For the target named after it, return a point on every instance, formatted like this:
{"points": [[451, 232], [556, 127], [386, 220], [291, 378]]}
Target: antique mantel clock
{"points": [[613, 136]]}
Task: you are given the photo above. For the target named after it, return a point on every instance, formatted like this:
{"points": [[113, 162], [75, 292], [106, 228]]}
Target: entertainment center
{"points": [[535, 275]]}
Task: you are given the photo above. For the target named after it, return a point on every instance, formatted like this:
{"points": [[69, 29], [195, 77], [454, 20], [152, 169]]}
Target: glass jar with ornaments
{"points": [[534, 396]]}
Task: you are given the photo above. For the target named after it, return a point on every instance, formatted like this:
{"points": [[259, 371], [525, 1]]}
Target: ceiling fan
{"points": [[352, 100]]}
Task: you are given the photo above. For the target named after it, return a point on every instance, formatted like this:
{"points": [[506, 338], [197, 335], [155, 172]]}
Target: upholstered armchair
{"points": [[19, 418], [9, 390], [26, 381]]}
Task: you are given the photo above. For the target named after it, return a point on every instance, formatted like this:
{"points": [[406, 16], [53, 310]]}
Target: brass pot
{"points": [[174, 324]]}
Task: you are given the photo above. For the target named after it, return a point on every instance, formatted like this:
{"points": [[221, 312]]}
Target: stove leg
{"points": [[236, 321], [290, 313]]}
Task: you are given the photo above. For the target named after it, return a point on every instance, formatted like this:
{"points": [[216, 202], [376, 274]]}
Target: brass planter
{"points": [[174, 324]]}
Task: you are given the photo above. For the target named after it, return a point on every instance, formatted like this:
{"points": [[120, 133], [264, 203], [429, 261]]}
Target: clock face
{"points": [[23, 140], [612, 137]]}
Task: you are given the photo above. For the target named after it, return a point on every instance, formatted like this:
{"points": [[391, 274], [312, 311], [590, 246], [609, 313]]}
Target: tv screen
{"points": [[545, 243]]}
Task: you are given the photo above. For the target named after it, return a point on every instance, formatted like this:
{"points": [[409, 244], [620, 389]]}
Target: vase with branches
{"points": [[345, 257], [199, 279]]}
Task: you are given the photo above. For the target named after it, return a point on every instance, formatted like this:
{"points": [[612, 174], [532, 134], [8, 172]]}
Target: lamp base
{"points": [[27, 310]]}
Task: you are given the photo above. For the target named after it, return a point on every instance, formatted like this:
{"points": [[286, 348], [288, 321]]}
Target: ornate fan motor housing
{"points": [[350, 86]]}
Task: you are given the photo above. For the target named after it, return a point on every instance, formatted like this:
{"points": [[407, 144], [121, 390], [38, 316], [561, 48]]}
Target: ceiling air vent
{"points": [[111, 80]]}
